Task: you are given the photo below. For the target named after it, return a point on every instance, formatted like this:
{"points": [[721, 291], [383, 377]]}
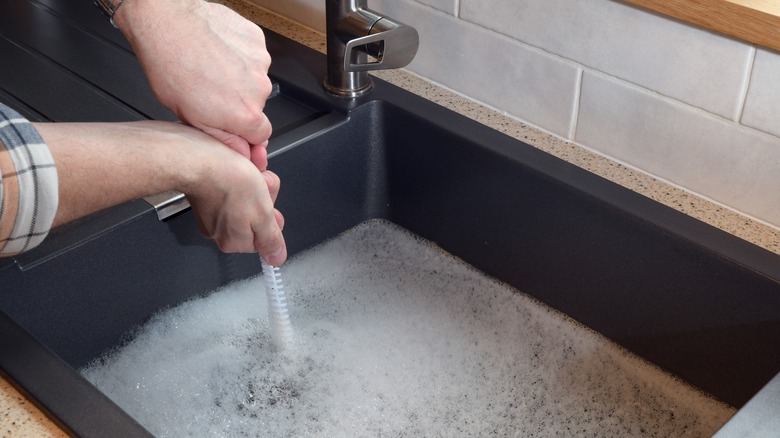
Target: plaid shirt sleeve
{"points": [[28, 185]]}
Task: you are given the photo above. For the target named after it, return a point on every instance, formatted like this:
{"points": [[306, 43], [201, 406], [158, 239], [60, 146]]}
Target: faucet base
{"points": [[360, 40], [347, 92]]}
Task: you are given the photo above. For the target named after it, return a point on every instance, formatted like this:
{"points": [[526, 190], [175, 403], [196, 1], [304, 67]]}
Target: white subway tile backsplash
{"points": [[648, 87], [681, 61], [489, 67], [448, 6], [762, 106], [310, 13], [704, 153]]}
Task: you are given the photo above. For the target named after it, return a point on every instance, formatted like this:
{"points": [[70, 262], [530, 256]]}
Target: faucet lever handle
{"points": [[397, 44]]}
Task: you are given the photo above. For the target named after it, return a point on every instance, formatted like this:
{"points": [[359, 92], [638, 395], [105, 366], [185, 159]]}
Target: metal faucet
{"points": [[354, 33]]}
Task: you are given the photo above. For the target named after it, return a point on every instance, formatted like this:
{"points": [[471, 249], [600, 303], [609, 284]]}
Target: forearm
{"points": [[101, 165]]}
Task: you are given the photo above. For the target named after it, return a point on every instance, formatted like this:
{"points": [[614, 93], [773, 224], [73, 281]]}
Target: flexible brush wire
{"points": [[278, 318]]}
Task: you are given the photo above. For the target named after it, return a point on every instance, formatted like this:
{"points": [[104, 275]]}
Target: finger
{"points": [[271, 245], [273, 182], [254, 127], [201, 228], [228, 241], [259, 155], [269, 241], [246, 139]]}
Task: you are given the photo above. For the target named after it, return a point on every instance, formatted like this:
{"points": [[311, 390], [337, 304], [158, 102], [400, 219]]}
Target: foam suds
{"points": [[393, 338]]}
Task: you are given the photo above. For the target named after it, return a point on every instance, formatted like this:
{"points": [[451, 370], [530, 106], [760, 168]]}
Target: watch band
{"points": [[108, 8]]}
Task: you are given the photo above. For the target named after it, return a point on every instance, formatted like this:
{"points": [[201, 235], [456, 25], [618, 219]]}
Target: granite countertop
{"points": [[19, 417]]}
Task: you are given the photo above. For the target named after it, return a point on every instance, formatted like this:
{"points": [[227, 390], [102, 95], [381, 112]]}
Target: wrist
{"points": [[136, 14]]}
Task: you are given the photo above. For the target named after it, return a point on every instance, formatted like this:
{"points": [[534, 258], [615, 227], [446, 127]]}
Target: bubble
{"points": [[393, 337]]}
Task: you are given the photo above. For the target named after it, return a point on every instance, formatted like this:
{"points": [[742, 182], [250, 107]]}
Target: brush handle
{"points": [[278, 318]]}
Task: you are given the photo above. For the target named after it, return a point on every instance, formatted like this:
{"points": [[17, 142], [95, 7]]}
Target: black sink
{"points": [[694, 300]]}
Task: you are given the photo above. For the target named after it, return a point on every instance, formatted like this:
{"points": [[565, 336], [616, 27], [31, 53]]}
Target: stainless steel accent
{"points": [[759, 418], [360, 40], [168, 203]]}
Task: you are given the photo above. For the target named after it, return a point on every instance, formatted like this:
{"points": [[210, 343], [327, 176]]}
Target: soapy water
{"points": [[393, 337]]}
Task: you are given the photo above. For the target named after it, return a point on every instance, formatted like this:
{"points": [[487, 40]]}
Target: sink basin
{"points": [[687, 297]]}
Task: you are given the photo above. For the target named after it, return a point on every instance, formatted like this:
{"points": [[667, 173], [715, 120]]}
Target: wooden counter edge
{"points": [[755, 21]]}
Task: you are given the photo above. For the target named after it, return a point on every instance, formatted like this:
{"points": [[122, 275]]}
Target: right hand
{"points": [[104, 164], [233, 203]]}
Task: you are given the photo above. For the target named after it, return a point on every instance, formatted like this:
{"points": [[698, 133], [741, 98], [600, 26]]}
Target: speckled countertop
{"points": [[20, 418]]}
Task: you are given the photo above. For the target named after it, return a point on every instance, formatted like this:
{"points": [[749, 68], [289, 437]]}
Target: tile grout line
{"points": [[743, 92], [575, 111]]}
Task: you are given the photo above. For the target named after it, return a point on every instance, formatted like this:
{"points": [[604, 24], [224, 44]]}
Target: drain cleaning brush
{"points": [[278, 318]]}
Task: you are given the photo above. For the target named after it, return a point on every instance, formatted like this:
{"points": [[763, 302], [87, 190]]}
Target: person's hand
{"points": [[104, 164], [231, 207], [232, 200], [208, 65]]}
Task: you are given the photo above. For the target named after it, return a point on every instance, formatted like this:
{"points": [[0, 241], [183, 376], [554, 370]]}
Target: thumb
{"points": [[272, 249]]}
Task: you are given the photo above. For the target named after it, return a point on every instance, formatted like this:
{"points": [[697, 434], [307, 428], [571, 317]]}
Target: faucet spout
{"points": [[360, 40]]}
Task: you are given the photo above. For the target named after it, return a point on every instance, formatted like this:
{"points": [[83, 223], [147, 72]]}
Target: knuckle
{"points": [[252, 116], [266, 87]]}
